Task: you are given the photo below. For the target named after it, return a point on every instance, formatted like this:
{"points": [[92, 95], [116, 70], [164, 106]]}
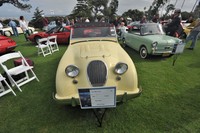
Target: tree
{"points": [[135, 14], [95, 8], [185, 15], [169, 8], [16, 3], [81, 9], [154, 8], [110, 11], [37, 21]]}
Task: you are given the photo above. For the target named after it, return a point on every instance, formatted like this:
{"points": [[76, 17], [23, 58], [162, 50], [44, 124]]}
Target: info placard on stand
{"points": [[178, 49], [98, 99]]}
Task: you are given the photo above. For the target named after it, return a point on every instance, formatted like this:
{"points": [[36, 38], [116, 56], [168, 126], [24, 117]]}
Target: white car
{"points": [[51, 25], [7, 31]]}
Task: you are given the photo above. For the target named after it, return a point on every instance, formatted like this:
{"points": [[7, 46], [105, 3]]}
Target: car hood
{"points": [[4, 38], [94, 49], [163, 39]]}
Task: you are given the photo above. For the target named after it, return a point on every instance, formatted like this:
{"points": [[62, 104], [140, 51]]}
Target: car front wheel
{"points": [[143, 52], [37, 39], [30, 31], [7, 33]]}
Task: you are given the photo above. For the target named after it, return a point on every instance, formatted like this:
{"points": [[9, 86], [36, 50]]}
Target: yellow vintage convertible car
{"points": [[95, 71]]}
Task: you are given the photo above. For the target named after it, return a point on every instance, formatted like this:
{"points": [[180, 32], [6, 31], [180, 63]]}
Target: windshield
{"points": [[54, 30], [93, 32], [151, 29]]}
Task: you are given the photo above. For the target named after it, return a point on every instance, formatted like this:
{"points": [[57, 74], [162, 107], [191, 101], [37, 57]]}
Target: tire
{"points": [[30, 31], [7, 33], [36, 39], [143, 52], [68, 40]]}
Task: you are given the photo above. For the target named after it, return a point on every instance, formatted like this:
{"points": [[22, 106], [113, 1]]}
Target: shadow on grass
{"points": [[194, 65], [136, 57]]}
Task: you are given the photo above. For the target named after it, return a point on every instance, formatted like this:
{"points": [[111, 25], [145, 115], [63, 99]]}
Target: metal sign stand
{"points": [[175, 58], [178, 49], [98, 99], [99, 114]]}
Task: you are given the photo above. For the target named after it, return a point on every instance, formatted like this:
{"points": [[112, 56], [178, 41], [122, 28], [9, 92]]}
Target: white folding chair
{"points": [[43, 48], [23, 69], [5, 89], [52, 42]]}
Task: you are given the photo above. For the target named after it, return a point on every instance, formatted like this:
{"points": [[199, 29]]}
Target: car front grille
{"points": [[97, 73]]}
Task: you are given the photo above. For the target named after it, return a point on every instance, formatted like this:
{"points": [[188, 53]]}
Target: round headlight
{"points": [[71, 71], [121, 68], [154, 44]]}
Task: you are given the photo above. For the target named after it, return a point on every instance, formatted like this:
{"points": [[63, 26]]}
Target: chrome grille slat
{"points": [[97, 73]]}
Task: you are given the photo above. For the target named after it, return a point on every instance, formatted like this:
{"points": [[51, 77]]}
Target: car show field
{"points": [[169, 102]]}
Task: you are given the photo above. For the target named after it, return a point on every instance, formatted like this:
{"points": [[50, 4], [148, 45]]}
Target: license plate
{"points": [[166, 54]]}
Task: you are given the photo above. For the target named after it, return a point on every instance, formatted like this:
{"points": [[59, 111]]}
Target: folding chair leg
{"points": [[3, 91]]}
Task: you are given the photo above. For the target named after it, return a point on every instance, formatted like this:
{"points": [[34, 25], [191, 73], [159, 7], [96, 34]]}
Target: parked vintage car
{"points": [[150, 39], [95, 60], [7, 31], [6, 44], [51, 25], [62, 33], [133, 24]]}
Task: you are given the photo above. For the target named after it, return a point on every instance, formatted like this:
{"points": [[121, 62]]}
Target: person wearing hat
{"points": [[193, 35], [45, 23], [175, 25]]}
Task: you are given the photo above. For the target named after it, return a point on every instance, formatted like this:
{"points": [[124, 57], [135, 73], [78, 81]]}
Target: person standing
{"points": [[175, 25], [143, 20], [122, 29], [193, 35], [24, 26], [1, 27], [45, 23], [14, 27], [67, 21], [115, 22], [155, 18]]}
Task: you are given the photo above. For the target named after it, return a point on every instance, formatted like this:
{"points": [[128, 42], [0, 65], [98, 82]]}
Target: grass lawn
{"points": [[170, 101]]}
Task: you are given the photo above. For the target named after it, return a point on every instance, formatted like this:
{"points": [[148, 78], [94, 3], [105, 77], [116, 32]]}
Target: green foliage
{"points": [[37, 18], [81, 10], [186, 15], [16, 3], [135, 14], [95, 8], [154, 8], [169, 102], [169, 8]]}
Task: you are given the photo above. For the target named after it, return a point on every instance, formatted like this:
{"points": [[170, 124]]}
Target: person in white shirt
{"points": [[24, 26], [87, 20], [1, 27], [122, 29]]}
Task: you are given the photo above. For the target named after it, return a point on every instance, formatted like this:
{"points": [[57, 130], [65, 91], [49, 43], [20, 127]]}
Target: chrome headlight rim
{"points": [[121, 68], [154, 44], [72, 71]]}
